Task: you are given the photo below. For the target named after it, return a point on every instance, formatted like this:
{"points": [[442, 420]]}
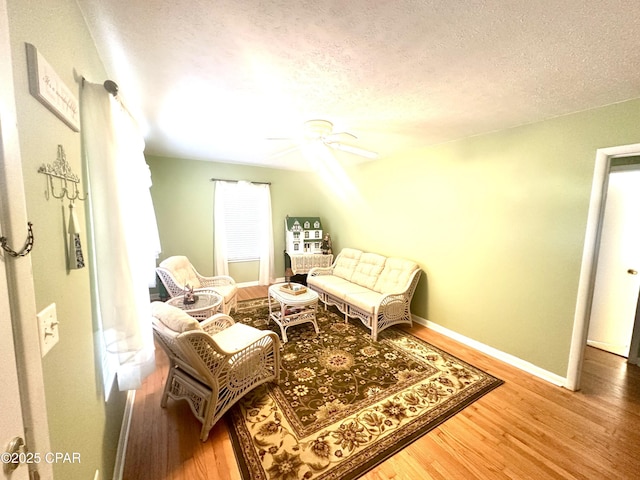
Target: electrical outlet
{"points": [[48, 325]]}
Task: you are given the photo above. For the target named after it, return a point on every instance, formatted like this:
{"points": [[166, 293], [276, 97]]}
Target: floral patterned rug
{"points": [[344, 402]]}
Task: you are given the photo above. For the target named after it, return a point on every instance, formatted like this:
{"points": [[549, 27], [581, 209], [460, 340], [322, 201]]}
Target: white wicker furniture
{"points": [[213, 363], [207, 304], [175, 272], [287, 310], [302, 263], [373, 288]]}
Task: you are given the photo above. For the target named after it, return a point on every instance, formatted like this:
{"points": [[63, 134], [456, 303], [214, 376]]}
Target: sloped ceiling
{"points": [[212, 79]]}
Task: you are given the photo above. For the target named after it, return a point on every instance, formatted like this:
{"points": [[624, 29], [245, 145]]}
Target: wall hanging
{"points": [[46, 86], [63, 183], [76, 258], [61, 176]]}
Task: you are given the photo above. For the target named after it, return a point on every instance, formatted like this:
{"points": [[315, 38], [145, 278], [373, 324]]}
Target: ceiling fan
{"points": [[322, 131]]}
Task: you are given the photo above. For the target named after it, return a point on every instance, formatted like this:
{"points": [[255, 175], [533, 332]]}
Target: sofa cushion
{"points": [[345, 264], [328, 283], [368, 269], [395, 275], [173, 318], [366, 300]]}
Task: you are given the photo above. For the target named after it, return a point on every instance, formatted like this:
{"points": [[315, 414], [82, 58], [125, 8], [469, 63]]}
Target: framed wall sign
{"points": [[46, 86]]}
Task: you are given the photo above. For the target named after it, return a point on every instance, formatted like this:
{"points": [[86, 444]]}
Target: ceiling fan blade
{"points": [[333, 137], [351, 149]]}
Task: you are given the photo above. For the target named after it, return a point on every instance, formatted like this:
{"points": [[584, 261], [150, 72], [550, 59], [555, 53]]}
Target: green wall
{"points": [[79, 418], [182, 194], [497, 222]]}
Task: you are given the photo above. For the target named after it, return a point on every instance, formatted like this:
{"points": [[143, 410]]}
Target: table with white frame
{"points": [[287, 309], [207, 303]]}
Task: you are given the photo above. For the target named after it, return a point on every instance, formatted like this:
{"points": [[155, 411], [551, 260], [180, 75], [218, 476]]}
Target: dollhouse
{"points": [[303, 235]]}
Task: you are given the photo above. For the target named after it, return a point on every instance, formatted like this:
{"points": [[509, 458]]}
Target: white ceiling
{"points": [[212, 80]]}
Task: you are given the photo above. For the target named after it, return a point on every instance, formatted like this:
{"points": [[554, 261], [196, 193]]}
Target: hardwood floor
{"points": [[525, 429]]}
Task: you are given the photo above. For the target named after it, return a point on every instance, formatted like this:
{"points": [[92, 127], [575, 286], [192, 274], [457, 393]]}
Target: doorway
{"points": [[17, 301], [617, 280], [586, 284]]}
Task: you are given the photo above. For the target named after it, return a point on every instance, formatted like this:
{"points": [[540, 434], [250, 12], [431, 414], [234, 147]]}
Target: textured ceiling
{"points": [[212, 80]]}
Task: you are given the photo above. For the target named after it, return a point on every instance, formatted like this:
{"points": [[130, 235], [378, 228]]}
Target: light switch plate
{"points": [[48, 325]]}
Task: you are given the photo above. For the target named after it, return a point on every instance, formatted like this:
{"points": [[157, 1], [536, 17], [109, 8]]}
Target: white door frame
{"points": [[590, 259], [13, 213]]}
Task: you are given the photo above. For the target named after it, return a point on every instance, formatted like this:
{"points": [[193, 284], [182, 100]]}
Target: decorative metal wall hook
{"points": [[28, 244], [67, 181]]}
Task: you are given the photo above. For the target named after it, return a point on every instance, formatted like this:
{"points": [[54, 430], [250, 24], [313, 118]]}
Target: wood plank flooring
{"points": [[525, 429]]}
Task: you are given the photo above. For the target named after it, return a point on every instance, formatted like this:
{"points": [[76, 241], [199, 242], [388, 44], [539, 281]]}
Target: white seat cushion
{"points": [[366, 301], [328, 283], [173, 318], [227, 291], [236, 337]]}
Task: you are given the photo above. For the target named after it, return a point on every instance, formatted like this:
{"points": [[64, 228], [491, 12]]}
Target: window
{"points": [[242, 217], [243, 228]]}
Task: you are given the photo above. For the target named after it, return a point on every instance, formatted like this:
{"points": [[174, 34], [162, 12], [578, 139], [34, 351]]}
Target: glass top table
{"points": [[207, 303]]}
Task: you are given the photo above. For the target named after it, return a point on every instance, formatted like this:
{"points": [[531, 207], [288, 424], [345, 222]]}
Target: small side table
{"points": [[287, 309], [208, 303], [302, 263]]}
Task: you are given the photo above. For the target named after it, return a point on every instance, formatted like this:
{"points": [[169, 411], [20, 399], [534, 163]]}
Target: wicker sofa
{"points": [[373, 288]]}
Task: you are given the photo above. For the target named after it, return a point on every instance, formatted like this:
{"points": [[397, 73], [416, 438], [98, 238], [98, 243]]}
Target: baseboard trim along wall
{"points": [[118, 468], [495, 353], [256, 284]]}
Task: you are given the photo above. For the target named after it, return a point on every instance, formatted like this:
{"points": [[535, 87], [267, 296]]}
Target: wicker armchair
{"points": [[175, 272], [213, 363]]}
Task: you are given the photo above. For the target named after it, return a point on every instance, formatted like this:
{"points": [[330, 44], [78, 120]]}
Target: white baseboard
{"points": [[118, 468], [495, 353]]}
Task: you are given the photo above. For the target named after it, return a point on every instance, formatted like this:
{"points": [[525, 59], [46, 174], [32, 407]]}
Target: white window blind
{"points": [[242, 222]]}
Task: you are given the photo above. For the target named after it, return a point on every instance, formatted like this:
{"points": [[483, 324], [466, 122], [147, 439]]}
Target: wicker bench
{"points": [[373, 288]]}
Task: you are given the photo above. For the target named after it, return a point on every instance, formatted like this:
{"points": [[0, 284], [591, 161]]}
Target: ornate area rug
{"points": [[345, 403]]}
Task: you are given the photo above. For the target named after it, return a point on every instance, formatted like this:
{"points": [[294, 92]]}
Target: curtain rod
{"points": [[109, 85], [113, 89], [236, 181]]}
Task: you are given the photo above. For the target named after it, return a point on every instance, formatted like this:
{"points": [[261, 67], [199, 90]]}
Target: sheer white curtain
{"points": [[259, 197], [124, 234], [266, 235], [220, 256]]}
